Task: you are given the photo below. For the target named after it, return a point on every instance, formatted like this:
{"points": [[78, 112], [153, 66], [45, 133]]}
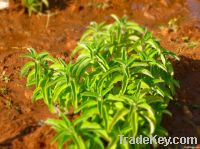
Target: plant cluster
{"points": [[34, 5], [119, 81]]}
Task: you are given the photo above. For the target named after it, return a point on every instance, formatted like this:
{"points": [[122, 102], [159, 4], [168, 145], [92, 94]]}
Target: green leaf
{"points": [[65, 119], [26, 68], [124, 84], [90, 112], [100, 105], [153, 99], [90, 126], [64, 88], [143, 71], [151, 124], [31, 78], [94, 142], [138, 64], [115, 17], [134, 122], [42, 55], [150, 117], [74, 93], [37, 94], [89, 94], [84, 64], [79, 62], [87, 104], [105, 117], [45, 2], [118, 116], [163, 59]]}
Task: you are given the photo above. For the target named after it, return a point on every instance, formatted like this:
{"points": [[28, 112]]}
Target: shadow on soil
{"points": [[186, 108], [21, 134], [60, 4]]}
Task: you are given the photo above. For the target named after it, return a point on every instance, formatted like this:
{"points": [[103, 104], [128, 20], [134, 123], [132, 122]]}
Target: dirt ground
{"points": [[57, 31]]}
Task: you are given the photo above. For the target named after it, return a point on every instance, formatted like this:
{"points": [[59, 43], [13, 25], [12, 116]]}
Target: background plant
{"points": [[34, 5], [3, 91], [4, 77], [120, 83]]}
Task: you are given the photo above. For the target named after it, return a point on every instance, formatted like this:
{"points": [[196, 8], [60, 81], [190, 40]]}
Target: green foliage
{"points": [[120, 83], [34, 5]]}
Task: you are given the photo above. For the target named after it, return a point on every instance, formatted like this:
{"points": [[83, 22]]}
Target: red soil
{"points": [[21, 121]]}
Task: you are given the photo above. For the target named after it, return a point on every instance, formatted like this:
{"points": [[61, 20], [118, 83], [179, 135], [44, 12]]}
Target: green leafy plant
{"points": [[34, 5], [119, 81], [40, 75]]}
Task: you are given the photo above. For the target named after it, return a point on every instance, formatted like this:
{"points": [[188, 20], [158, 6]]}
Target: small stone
{"points": [[28, 94], [165, 2], [148, 15], [164, 31], [26, 109], [4, 4]]}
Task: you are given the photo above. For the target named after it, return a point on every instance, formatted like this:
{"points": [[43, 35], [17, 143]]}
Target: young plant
{"points": [[99, 5], [120, 83], [40, 75], [190, 44], [3, 91], [34, 5], [4, 77], [172, 24], [9, 104]]}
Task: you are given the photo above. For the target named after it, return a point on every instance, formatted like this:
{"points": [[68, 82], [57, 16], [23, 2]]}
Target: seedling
{"points": [[120, 83], [3, 91], [100, 5], [9, 104], [4, 77], [192, 44], [186, 39], [34, 5], [18, 109], [171, 26], [189, 43]]}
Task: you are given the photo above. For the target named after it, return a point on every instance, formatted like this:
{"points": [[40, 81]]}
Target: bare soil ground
{"points": [[21, 121]]}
